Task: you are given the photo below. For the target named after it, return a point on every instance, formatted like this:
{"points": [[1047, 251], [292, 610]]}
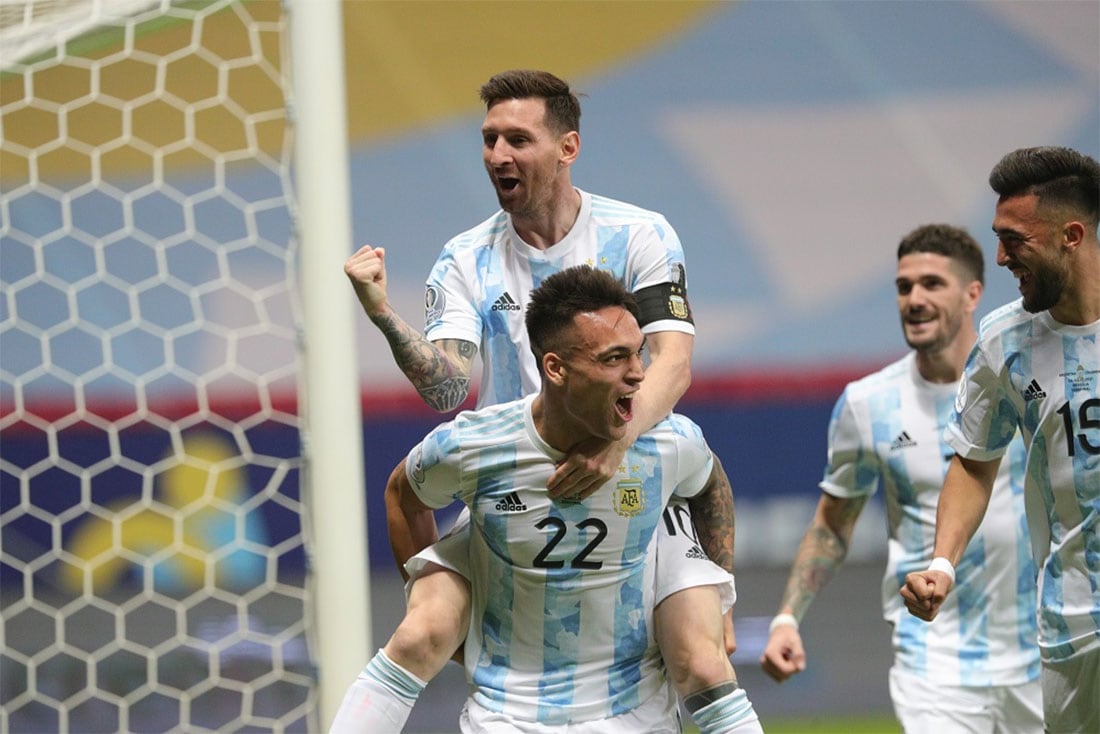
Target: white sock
{"points": [[730, 714], [379, 701]]}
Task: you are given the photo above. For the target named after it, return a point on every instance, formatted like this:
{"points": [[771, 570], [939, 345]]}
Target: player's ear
{"points": [[974, 294], [569, 148], [554, 368], [1073, 234]]}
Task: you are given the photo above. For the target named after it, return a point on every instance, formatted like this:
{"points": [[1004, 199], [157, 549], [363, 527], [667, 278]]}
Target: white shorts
{"points": [[923, 706], [659, 714], [680, 563]]}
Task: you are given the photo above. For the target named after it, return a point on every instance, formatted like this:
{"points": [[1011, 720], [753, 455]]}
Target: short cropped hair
{"points": [[1059, 177], [563, 109], [954, 243], [564, 295]]}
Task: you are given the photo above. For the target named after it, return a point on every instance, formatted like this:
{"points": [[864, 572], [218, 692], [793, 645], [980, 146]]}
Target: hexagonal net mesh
{"points": [[152, 560]]}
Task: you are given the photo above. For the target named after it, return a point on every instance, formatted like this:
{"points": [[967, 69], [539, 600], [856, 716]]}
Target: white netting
{"points": [[151, 546], [31, 27]]}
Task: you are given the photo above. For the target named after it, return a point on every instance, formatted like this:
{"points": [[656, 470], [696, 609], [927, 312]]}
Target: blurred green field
{"points": [[878, 724], [834, 725]]}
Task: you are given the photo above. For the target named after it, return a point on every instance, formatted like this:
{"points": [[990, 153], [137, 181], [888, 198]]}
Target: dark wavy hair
{"points": [[563, 109], [1059, 177], [563, 295], [953, 243]]}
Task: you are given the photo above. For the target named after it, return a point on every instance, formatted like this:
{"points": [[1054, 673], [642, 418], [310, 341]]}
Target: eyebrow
{"points": [[507, 129], [621, 348], [1008, 231]]}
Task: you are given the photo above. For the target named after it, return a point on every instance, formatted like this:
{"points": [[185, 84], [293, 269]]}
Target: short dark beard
{"points": [[1046, 291]]}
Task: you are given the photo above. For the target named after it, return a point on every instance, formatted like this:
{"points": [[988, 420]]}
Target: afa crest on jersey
{"points": [[629, 498]]}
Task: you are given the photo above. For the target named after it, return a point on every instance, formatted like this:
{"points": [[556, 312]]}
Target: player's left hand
{"points": [[586, 468]]}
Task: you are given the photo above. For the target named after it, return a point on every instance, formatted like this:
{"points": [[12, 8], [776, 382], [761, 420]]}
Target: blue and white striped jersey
{"points": [[1029, 371], [561, 626], [887, 428], [480, 284]]}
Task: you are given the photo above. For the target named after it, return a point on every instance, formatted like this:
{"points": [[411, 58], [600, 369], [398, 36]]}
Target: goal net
{"points": [[152, 552]]}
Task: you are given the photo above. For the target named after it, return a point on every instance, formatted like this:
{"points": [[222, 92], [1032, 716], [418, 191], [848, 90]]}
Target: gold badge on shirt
{"points": [[629, 498], [677, 306]]}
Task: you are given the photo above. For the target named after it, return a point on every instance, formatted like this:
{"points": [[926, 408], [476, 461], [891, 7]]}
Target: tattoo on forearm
{"points": [[713, 517], [820, 555], [442, 386], [447, 395]]}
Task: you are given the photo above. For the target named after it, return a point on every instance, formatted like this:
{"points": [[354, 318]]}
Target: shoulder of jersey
{"points": [[481, 235], [487, 424], [604, 208], [1003, 318], [878, 380]]}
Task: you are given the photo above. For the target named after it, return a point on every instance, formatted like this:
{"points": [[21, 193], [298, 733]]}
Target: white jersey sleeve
{"points": [[452, 302], [694, 458], [433, 466], [852, 470]]}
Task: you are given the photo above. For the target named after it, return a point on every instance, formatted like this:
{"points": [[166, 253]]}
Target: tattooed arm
{"points": [[440, 371], [823, 549], [712, 516]]}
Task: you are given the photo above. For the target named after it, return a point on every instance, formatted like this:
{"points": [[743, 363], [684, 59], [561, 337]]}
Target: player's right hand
{"points": [[366, 270], [588, 466], [924, 592], [783, 655]]}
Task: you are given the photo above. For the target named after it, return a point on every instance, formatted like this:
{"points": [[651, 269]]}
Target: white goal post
{"points": [[182, 522], [332, 378]]}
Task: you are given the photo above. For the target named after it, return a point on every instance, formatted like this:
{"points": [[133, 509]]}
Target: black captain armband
{"points": [[663, 301]]}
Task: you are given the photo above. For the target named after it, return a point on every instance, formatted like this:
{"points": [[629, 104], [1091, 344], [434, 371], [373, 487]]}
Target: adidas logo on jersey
{"points": [[511, 503], [1034, 391], [697, 553], [506, 303], [903, 441]]}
